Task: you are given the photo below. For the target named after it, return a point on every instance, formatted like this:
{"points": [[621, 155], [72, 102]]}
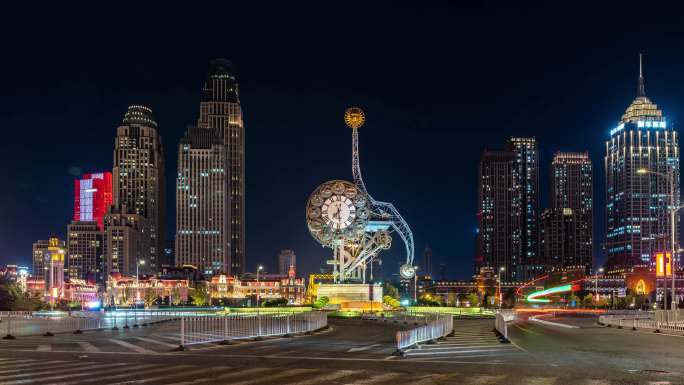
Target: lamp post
{"points": [[137, 279], [501, 270], [258, 287], [673, 212], [600, 270]]}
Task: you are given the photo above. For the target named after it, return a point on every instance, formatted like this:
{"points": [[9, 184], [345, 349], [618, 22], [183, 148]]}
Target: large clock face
{"points": [[338, 211]]}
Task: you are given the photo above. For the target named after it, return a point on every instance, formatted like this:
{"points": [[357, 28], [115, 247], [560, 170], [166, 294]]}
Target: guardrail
{"points": [[197, 330], [641, 321], [438, 326], [500, 322], [16, 324]]}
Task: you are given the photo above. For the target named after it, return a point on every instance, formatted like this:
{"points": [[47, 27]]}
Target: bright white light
{"points": [[640, 123], [93, 304]]}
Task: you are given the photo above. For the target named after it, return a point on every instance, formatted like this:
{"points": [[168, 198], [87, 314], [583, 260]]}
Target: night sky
{"points": [[438, 86]]}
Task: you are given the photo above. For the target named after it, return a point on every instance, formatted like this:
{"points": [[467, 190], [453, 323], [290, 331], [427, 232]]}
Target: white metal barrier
{"points": [[641, 321], [28, 324], [438, 326], [197, 329], [500, 322]]}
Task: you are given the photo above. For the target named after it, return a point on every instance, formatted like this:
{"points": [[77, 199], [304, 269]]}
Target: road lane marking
{"points": [[148, 369], [174, 373], [539, 380], [156, 342], [486, 380], [362, 348], [281, 375], [224, 376], [558, 324], [133, 347], [75, 371], [88, 347], [44, 348], [433, 379], [379, 378], [325, 377], [33, 366]]}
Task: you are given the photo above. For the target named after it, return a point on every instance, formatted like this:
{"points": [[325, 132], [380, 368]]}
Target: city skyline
{"points": [[272, 131]]}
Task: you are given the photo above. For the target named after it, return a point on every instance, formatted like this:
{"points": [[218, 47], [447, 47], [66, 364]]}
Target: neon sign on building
{"points": [[92, 197]]}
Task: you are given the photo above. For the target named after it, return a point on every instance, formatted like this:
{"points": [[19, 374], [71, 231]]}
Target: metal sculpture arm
{"points": [[382, 210], [381, 240]]}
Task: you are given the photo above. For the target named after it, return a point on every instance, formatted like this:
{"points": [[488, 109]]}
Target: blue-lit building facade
{"points": [[638, 202]]}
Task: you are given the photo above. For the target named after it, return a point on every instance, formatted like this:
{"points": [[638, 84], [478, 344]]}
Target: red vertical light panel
{"points": [[92, 197]]}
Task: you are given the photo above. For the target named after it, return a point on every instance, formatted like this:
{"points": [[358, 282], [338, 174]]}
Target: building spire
{"points": [[640, 87]]}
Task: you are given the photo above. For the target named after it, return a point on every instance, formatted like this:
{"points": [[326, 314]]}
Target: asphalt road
{"points": [[598, 349], [351, 352]]}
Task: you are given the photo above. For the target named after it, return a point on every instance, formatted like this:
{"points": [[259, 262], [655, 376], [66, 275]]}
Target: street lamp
{"points": [[673, 212], [137, 279], [501, 270], [600, 270], [258, 287]]}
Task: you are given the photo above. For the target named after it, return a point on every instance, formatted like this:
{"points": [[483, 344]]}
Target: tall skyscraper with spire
{"points": [[642, 163], [139, 176], [214, 201]]}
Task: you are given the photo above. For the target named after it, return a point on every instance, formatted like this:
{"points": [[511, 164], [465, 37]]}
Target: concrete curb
{"points": [[536, 319]]}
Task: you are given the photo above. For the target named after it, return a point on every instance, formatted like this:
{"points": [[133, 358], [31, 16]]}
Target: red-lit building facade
{"points": [[92, 197]]}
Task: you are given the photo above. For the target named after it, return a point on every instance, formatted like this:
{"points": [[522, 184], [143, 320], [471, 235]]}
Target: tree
{"points": [[573, 298], [588, 300], [199, 295], [150, 298], [13, 298], [175, 299], [321, 302], [390, 290], [277, 302], [473, 299]]}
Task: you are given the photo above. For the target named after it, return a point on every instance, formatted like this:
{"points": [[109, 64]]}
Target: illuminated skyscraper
{"points": [[84, 250], [41, 257], [526, 203], [498, 237], [637, 204], [566, 234], [202, 218], [221, 113], [139, 175], [92, 197]]}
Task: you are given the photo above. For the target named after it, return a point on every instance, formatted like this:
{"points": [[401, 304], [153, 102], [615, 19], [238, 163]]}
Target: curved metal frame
{"points": [[382, 211]]}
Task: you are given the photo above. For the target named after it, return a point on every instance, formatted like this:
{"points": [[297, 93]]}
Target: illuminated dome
{"points": [[642, 107]]}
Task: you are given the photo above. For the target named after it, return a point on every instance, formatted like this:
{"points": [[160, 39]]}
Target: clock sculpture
{"points": [[337, 216], [342, 215]]}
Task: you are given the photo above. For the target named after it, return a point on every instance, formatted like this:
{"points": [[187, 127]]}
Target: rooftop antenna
{"points": [[640, 88]]}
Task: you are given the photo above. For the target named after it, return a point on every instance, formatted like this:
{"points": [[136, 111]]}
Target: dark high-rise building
{"points": [[566, 234], [139, 181], [638, 202], [220, 112], [526, 203], [92, 197], [427, 261], [499, 224], [564, 239], [126, 242], [84, 251], [286, 259], [202, 212]]}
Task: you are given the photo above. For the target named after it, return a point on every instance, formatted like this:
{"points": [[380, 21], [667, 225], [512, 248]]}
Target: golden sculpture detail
{"points": [[354, 117]]}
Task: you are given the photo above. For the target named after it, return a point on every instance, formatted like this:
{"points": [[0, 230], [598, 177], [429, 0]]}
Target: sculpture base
{"points": [[356, 296]]}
